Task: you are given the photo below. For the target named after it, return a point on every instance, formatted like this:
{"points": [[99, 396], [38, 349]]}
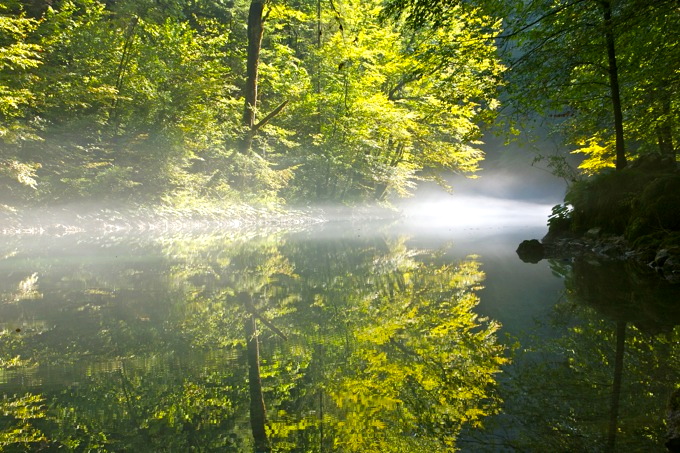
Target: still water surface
{"points": [[371, 336]]}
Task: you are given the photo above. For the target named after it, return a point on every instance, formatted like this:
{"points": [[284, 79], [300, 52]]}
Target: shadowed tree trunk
{"points": [[614, 85], [673, 422], [258, 416], [665, 131], [35, 8], [123, 66], [616, 387]]}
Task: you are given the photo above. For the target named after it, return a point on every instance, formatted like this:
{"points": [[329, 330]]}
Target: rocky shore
{"points": [[629, 214], [665, 260]]}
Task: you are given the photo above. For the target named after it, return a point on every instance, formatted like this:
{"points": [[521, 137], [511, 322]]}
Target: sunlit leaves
{"points": [[19, 413], [395, 106], [76, 46], [566, 66], [18, 57], [23, 173], [423, 363], [154, 92], [598, 157], [15, 52]]}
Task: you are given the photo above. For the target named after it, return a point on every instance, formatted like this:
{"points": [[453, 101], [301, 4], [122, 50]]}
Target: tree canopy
{"points": [[602, 74], [143, 101], [176, 101]]}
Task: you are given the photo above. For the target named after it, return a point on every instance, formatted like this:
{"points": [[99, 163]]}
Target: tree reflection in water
{"points": [[602, 383], [147, 352]]}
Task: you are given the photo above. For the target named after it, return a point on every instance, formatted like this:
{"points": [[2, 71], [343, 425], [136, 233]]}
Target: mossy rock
{"points": [[531, 251], [657, 208], [632, 201], [606, 200], [649, 240]]}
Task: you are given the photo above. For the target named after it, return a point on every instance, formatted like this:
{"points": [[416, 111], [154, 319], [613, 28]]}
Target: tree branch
{"points": [[271, 115]]}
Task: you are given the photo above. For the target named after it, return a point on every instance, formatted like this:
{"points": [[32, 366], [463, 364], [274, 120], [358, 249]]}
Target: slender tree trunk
{"points": [[616, 387], [123, 65], [614, 84], [380, 191], [317, 85], [255, 31], [258, 415], [664, 130]]}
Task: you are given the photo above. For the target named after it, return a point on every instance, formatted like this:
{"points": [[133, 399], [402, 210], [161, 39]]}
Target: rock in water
{"points": [[531, 251]]}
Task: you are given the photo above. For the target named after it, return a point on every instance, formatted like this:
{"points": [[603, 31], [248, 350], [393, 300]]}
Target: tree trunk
{"points": [[317, 84], [258, 415], [614, 84], [380, 191], [616, 386], [673, 422], [123, 65], [664, 130], [255, 31]]}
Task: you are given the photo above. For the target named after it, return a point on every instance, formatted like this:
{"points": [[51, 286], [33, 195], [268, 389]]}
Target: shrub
{"points": [[559, 221]]}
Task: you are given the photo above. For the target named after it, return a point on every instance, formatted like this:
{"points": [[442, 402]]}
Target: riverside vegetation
{"points": [[223, 113], [217, 109], [627, 214]]}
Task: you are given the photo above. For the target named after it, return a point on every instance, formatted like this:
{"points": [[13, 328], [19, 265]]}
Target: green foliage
{"points": [[656, 208], [564, 73], [145, 97], [598, 159], [22, 173], [19, 58], [140, 101], [392, 106], [561, 58], [559, 220], [255, 178]]}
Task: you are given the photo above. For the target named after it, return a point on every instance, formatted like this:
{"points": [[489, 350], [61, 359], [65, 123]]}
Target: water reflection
{"points": [[601, 384], [362, 339], [628, 292], [138, 344]]}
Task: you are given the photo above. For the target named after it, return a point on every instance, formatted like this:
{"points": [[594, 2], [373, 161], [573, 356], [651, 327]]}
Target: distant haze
{"points": [[508, 192]]}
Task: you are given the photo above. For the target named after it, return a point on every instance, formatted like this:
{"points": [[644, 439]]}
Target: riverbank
{"points": [[94, 218], [664, 258], [628, 214]]}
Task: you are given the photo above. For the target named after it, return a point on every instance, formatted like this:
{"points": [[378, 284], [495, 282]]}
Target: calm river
{"points": [[366, 336]]}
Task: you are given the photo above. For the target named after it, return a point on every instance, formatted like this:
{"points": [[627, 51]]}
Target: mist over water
{"points": [[508, 192], [492, 202], [479, 211]]}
